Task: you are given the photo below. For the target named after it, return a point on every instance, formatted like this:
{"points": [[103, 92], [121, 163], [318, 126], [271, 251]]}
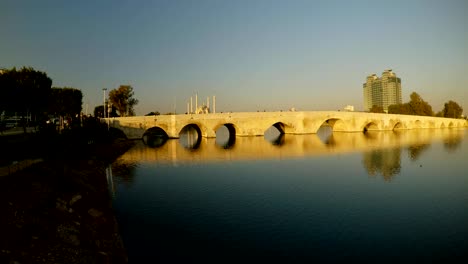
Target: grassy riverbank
{"points": [[59, 210]]}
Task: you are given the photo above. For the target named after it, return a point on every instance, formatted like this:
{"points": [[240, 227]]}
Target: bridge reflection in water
{"points": [[190, 148]]}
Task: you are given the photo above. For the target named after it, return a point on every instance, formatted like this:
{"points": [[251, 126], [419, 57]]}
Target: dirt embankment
{"points": [[59, 210]]}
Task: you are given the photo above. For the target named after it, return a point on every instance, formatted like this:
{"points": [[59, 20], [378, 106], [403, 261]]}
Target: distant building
{"points": [[382, 91], [203, 110], [349, 108]]}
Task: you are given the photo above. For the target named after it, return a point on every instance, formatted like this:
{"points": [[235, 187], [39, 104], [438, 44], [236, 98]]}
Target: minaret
{"points": [[196, 103], [208, 103], [191, 105], [214, 104]]}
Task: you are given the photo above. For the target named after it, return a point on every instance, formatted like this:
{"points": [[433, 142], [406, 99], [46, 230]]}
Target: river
{"points": [[326, 197]]}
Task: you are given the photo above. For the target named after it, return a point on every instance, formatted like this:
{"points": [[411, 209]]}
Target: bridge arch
{"points": [[442, 125], [451, 125], [232, 129], [280, 126], [200, 127], [417, 124], [190, 136], [156, 131], [397, 125], [336, 124], [231, 137], [155, 137], [370, 126]]}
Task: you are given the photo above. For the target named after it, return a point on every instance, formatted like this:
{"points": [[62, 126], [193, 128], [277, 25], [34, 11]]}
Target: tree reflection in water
{"points": [[386, 162], [415, 151], [123, 173], [453, 143]]}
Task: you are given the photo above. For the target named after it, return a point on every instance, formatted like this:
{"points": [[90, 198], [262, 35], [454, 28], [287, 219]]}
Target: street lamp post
{"points": [[104, 105]]}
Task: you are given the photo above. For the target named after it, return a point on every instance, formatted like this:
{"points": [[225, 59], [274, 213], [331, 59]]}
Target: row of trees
{"points": [[417, 106], [25, 91], [29, 94]]}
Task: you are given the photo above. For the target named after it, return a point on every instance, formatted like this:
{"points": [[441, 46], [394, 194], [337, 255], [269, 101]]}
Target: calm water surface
{"points": [[381, 197]]}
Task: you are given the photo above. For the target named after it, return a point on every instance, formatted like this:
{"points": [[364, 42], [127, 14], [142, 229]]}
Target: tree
{"points": [[24, 92], [65, 101], [418, 106], [113, 112], [122, 99], [400, 109], [452, 110], [376, 109], [4, 91], [153, 113], [99, 111]]}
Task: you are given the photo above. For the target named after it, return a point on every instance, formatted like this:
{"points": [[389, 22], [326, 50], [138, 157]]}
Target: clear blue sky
{"points": [[253, 55]]}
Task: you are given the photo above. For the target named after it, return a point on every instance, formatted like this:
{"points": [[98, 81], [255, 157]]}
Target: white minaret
{"points": [[188, 108], [208, 103], [191, 109], [196, 103], [214, 104]]}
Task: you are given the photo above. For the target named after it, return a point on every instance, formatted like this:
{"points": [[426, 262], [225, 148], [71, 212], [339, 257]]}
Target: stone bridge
{"points": [[256, 123]]}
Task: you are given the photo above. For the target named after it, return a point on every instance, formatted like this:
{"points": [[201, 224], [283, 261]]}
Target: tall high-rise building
{"points": [[383, 91]]}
